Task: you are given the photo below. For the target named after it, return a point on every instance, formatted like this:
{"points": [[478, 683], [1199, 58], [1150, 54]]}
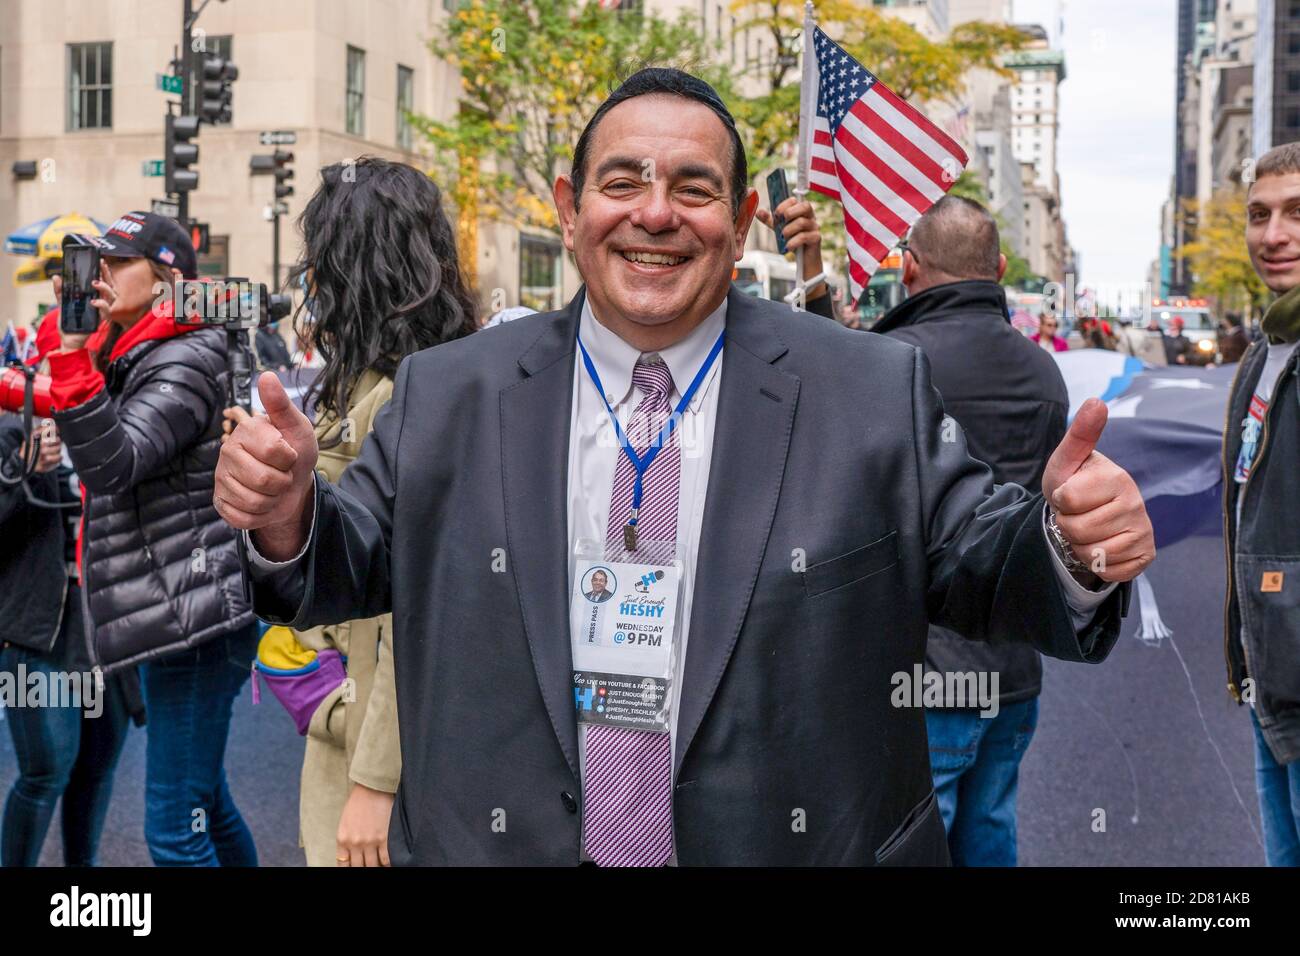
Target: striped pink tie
{"points": [[628, 818]]}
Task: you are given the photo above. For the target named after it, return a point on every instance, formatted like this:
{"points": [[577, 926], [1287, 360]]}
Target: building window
{"points": [[215, 263], [1293, 43], [539, 273], [356, 92], [405, 104], [90, 86], [1293, 82]]}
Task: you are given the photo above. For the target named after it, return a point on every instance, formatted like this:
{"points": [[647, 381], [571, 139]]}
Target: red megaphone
{"points": [[13, 385]]}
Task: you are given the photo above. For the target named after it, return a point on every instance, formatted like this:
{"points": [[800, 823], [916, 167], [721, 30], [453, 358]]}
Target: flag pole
{"points": [[807, 106]]}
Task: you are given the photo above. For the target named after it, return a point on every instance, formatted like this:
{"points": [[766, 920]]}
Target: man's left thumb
{"points": [[1077, 446]]}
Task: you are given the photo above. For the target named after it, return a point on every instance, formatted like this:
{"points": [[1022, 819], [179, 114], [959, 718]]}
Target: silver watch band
{"points": [[1063, 548]]}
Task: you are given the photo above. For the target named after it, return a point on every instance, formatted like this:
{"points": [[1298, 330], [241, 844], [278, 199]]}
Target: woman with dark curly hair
{"points": [[383, 280]]}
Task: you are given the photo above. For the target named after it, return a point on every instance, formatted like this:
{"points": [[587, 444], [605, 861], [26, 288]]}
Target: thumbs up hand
{"points": [[263, 481], [1098, 506]]}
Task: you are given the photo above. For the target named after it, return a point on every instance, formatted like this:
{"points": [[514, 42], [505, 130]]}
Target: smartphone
{"points": [[80, 269], [778, 191]]}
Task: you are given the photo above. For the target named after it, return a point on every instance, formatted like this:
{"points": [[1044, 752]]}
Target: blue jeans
{"points": [[190, 818], [975, 762], [62, 752], [1279, 803]]}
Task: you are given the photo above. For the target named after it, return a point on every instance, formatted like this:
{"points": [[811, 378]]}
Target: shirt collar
{"points": [[614, 358]]}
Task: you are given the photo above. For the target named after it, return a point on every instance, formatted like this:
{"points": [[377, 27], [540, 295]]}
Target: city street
{"points": [[413, 318], [1150, 736]]}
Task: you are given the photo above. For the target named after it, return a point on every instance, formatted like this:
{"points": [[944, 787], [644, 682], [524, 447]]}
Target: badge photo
{"points": [[599, 584]]}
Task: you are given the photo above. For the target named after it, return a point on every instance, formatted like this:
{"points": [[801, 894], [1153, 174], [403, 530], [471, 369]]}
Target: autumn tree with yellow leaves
{"points": [[1218, 256]]}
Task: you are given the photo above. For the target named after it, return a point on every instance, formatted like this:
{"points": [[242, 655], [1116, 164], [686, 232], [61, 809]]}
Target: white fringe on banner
{"points": [[1153, 629]]}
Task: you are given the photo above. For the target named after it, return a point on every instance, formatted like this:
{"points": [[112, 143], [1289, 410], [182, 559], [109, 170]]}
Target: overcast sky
{"points": [[1117, 129]]}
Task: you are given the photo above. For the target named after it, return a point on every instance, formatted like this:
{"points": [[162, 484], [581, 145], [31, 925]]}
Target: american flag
{"points": [[885, 162]]}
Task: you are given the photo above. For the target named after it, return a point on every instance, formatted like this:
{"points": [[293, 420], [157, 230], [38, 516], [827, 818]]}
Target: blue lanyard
{"points": [[642, 464]]}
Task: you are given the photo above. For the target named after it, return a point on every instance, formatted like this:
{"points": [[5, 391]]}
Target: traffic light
{"points": [[274, 164], [215, 95], [181, 154], [199, 236], [283, 173]]}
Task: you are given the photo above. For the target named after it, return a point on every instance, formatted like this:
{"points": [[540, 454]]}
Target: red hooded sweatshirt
{"points": [[74, 379]]}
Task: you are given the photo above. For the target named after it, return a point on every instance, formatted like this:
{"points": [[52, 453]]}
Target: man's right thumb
{"points": [[279, 409]]}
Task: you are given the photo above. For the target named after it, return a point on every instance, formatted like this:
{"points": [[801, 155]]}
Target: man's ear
{"points": [[911, 270], [745, 219], [1002, 265], [566, 207]]}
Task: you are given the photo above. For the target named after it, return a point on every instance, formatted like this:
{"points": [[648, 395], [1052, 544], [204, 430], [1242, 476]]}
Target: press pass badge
{"points": [[623, 623]]}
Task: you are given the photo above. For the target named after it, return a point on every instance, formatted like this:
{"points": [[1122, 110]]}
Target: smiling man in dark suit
{"points": [[797, 603]]}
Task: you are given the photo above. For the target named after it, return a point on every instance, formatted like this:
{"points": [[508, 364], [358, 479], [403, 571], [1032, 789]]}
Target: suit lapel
{"points": [[535, 415], [751, 438]]}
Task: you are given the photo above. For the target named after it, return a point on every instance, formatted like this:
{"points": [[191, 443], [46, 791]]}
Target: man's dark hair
{"points": [[672, 83], [958, 237]]}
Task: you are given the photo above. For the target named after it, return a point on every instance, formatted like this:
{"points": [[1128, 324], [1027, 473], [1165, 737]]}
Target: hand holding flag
{"points": [[885, 162]]}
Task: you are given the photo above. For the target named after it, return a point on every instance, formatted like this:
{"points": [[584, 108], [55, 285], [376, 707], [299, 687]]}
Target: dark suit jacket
{"points": [[838, 522]]}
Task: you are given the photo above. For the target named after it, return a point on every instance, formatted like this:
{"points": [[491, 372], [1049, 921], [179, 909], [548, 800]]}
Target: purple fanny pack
{"points": [[302, 689]]}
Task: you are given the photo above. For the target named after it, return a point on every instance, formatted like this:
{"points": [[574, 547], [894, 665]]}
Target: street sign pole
{"points": [[187, 91], [275, 251]]}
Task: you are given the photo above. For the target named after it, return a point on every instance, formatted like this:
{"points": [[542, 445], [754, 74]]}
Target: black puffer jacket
{"points": [[1008, 395], [160, 571]]}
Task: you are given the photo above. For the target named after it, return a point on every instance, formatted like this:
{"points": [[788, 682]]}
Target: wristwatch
{"points": [[1063, 547]]}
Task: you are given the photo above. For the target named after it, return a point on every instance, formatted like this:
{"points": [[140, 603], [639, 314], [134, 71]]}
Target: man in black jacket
{"points": [[1009, 398], [1261, 452]]}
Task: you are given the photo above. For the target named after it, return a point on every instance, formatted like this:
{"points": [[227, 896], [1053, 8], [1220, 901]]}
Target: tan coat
{"points": [[353, 734]]}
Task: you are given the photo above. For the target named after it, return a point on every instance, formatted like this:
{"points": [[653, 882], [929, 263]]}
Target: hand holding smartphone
{"points": [[81, 264]]}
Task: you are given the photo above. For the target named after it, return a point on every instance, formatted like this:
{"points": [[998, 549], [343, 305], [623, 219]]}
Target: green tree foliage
{"points": [[532, 73]]}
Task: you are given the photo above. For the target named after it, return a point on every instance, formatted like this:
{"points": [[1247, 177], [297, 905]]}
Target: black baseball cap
{"points": [[149, 236]]}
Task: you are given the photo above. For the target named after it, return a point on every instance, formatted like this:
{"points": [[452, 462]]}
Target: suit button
{"points": [[570, 804]]}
